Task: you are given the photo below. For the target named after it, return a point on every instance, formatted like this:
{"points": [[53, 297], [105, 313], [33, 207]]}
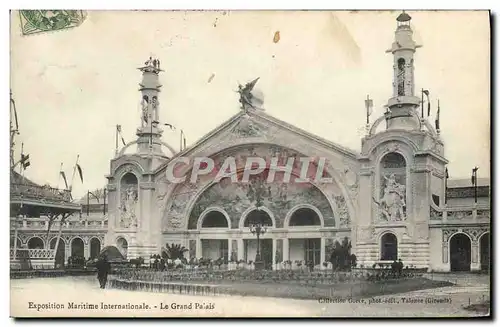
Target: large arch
{"points": [[214, 217], [302, 207], [484, 251], [176, 203], [36, 243], [460, 246]]}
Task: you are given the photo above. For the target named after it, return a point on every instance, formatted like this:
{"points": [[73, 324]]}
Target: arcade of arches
{"points": [[86, 247], [301, 238]]}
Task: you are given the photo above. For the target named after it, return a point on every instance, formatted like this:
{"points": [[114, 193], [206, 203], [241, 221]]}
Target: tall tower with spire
{"points": [[149, 133], [402, 170], [402, 104]]}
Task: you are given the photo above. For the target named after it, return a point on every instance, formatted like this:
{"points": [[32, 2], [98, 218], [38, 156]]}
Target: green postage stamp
{"points": [[36, 21]]}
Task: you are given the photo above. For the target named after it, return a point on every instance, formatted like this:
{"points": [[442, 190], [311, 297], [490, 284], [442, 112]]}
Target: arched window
{"points": [[401, 77], [304, 217], [35, 243], [389, 247], [258, 216], [214, 219]]}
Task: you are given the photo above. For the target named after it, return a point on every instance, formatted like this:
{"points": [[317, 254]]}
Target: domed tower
{"points": [[402, 174], [131, 182]]}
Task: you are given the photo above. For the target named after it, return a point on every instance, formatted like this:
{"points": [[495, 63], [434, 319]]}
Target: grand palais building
{"points": [[392, 199]]}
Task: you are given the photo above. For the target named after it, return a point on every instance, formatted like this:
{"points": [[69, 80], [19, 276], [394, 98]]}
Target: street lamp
{"points": [[256, 193]]}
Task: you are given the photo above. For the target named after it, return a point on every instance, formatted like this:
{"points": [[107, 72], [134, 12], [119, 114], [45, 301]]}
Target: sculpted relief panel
{"points": [[279, 198], [182, 210]]}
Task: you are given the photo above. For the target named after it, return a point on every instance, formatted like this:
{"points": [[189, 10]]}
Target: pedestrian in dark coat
{"points": [[103, 269]]}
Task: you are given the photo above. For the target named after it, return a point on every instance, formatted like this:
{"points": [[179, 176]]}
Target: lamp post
{"points": [[258, 229], [256, 192], [474, 182]]}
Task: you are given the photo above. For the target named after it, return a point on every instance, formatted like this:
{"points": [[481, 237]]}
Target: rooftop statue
{"points": [[246, 95]]}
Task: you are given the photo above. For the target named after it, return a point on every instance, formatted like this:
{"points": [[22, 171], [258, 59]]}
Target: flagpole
{"points": [[59, 176], [16, 232], [116, 140], [446, 185], [74, 171], [104, 207], [422, 106], [22, 153], [182, 135]]}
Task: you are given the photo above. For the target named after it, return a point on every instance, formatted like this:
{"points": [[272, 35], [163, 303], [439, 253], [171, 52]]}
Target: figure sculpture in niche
{"points": [[128, 213], [392, 205]]}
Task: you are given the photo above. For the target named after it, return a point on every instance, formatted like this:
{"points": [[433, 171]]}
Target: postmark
{"points": [[38, 21]]}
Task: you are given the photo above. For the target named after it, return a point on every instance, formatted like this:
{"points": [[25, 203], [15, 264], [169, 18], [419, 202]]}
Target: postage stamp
{"points": [[36, 21], [237, 164]]}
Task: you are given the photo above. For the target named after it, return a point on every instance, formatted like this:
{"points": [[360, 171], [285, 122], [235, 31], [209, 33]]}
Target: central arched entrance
{"points": [[214, 248], [460, 252], [253, 218], [305, 249], [484, 250]]}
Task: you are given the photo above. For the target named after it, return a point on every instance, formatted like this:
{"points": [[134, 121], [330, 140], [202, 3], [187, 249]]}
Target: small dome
{"points": [[403, 17]]}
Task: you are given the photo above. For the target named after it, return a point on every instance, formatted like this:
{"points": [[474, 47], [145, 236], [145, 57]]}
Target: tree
{"points": [[173, 251], [341, 258]]}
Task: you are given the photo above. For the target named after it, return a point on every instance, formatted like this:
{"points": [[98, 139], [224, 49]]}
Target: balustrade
{"points": [[38, 224], [454, 214]]}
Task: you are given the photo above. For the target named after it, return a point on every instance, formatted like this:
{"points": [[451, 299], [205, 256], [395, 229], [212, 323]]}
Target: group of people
{"points": [[397, 267]]}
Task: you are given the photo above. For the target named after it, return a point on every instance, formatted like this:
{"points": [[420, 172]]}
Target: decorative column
{"points": [[192, 248], [475, 264], [198, 248], [229, 249], [86, 250], [286, 249], [274, 254], [241, 250], [322, 252]]}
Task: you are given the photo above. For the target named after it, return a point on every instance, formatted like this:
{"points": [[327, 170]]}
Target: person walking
{"points": [[103, 268]]}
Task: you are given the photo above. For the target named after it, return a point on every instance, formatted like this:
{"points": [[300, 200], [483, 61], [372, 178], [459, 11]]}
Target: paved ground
{"points": [[84, 291]]}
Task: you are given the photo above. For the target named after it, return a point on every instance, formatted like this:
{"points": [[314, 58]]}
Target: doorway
{"points": [[460, 252]]}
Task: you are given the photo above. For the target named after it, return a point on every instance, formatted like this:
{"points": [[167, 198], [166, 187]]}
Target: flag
{"points": [[437, 117], [80, 171], [64, 178], [447, 175], [123, 140], [184, 142], [172, 127], [25, 160], [428, 108]]}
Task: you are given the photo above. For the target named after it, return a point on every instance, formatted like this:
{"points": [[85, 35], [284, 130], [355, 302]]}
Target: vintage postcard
{"points": [[250, 163]]}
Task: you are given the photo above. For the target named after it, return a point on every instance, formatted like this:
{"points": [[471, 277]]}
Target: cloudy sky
{"points": [[72, 87]]}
